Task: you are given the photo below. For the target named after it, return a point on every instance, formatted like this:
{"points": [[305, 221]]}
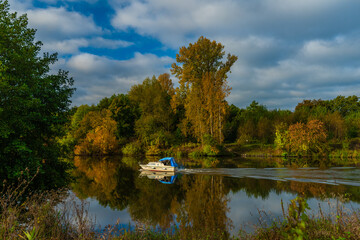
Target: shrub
{"points": [[131, 149], [244, 139], [209, 150], [153, 151], [339, 223], [196, 154]]}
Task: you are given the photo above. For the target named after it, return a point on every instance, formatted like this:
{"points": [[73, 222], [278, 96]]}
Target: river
{"points": [[224, 194]]}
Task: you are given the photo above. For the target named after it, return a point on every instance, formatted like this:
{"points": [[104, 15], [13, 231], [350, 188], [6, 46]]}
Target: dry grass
{"points": [[338, 223], [42, 215]]}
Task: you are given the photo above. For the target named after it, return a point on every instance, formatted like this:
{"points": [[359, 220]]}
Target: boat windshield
{"points": [[169, 161], [166, 162]]}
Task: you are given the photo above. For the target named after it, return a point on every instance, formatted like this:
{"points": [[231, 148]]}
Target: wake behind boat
{"points": [[167, 164]]}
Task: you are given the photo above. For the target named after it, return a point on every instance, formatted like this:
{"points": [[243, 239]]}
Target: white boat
{"points": [[167, 164]]}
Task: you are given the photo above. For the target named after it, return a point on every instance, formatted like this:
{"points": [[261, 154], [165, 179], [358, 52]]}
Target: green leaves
{"points": [[296, 220], [33, 103]]}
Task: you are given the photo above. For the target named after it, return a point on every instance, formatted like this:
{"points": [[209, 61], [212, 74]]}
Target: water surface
{"points": [[208, 194]]}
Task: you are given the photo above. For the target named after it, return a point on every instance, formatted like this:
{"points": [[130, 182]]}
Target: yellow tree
{"points": [[214, 105], [203, 87], [100, 138], [166, 83]]}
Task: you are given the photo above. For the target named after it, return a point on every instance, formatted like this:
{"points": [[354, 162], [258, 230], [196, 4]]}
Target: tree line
{"points": [[146, 120], [154, 116]]}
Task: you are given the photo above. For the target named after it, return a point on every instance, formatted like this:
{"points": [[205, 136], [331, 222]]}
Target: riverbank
{"points": [[259, 150], [336, 156]]}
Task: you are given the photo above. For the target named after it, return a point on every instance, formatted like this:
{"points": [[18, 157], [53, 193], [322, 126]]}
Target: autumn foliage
{"points": [[307, 138], [155, 117], [203, 86], [100, 137]]}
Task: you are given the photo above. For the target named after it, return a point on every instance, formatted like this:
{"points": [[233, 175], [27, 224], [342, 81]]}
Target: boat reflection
{"points": [[163, 177]]}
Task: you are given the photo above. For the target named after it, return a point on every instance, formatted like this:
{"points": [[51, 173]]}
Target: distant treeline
{"points": [[143, 121]]}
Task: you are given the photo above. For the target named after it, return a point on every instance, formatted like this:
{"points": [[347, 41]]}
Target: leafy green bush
{"points": [[209, 140], [244, 139], [196, 154], [133, 148], [153, 151], [209, 150]]}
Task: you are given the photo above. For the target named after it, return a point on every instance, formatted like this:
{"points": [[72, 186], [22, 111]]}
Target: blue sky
{"points": [[288, 50]]}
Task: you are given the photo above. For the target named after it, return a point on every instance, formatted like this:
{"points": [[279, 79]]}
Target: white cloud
{"points": [[288, 50], [55, 1], [98, 77], [72, 46], [295, 78], [59, 23], [340, 50], [20, 5], [65, 31], [178, 22], [65, 46], [100, 42], [171, 21]]}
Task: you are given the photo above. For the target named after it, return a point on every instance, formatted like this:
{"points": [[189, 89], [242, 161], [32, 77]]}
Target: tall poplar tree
{"points": [[203, 86]]}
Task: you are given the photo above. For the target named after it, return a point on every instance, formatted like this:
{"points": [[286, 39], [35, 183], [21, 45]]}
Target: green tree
{"points": [[231, 123], [156, 114], [254, 123], [345, 105], [71, 138], [281, 135], [125, 112], [33, 103], [203, 87]]}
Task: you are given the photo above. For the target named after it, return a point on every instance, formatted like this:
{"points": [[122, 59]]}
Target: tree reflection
{"points": [[197, 204], [155, 203], [263, 187], [203, 212], [110, 181]]}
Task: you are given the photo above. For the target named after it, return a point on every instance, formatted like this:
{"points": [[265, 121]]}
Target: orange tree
{"points": [[306, 138], [98, 129]]}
